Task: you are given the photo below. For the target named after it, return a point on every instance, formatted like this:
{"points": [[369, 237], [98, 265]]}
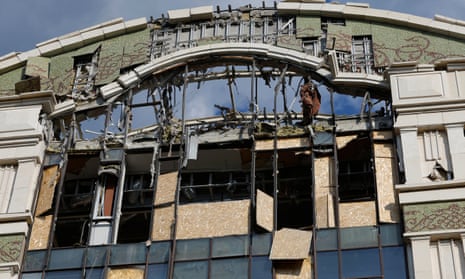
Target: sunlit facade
{"points": [[302, 140]]}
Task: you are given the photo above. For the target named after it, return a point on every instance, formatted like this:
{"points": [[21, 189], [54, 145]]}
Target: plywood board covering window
{"points": [[385, 162], [323, 192], [294, 270], [215, 219], [263, 145], [40, 232], [356, 214], [264, 211], [163, 219], [47, 190], [166, 188], [291, 244], [127, 273]]}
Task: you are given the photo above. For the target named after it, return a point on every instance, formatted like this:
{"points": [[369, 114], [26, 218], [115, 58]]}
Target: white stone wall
{"points": [[22, 149]]}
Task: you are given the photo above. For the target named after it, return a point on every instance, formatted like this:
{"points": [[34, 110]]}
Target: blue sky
{"points": [[24, 23]]}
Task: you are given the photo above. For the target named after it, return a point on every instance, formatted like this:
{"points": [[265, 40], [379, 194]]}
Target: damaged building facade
{"points": [[192, 146]]}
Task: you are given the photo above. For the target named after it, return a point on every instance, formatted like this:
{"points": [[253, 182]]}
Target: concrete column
{"points": [[456, 139], [422, 265], [24, 186], [411, 155]]}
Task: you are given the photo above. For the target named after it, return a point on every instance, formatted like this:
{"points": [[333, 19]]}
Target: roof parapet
{"points": [[450, 20], [198, 13], [73, 40]]}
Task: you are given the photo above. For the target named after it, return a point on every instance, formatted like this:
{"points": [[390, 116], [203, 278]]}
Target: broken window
{"points": [[85, 67], [214, 186], [117, 121], [144, 110], [311, 46], [356, 171], [91, 124], [72, 225], [295, 205], [362, 54], [325, 21], [136, 210], [286, 25]]}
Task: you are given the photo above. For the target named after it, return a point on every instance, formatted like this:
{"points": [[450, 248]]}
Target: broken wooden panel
{"points": [[40, 232], [37, 67], [385, 163], [323, 192], [356, 214], [163, 220], [265, 211], [291, 244], [166, 188], [47, 190], [290, 143], [215, 219], [294, 270], [127, 273]]}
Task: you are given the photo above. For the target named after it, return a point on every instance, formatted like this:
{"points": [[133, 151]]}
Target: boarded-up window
{"points": [[199, 220], [385, 162], [163, 219], [357, 214], [264, 211], [262, 145], [294, 270], [127, 273], [47, 190], [291, 244], [166, 188], [40, 232]]}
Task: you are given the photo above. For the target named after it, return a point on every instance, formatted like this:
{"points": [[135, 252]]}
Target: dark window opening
{"points": [[325, 21], [136, 209], [214, 186], [134, 227], [356, 180], [71, 231], [138, 192], [76, 200], [77, 196], [295, 206]]}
